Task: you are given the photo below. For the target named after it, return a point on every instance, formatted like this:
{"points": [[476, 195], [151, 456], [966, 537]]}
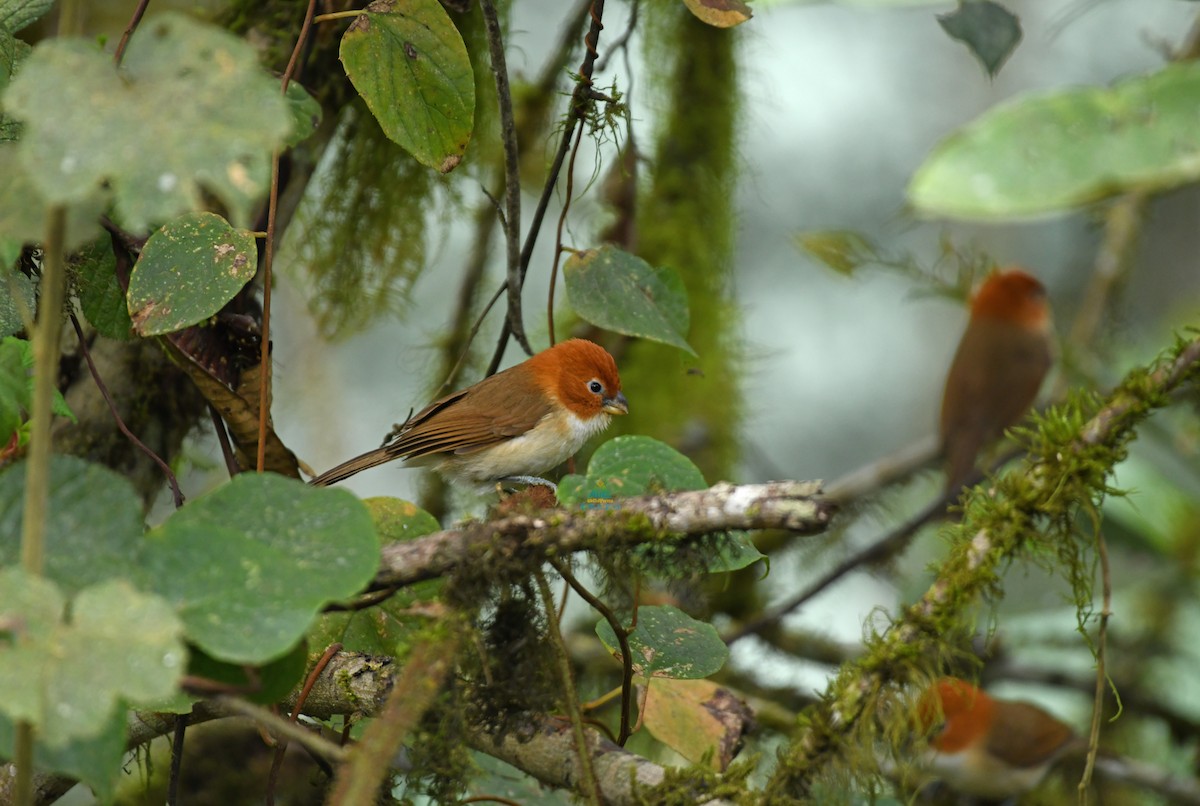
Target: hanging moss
{"points": [[686, 221]]}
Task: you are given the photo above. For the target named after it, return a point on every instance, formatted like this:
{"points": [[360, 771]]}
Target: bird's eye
{"points": [[595, 387]]}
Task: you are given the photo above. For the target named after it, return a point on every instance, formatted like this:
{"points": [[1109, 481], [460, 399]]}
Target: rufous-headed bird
{"points": [[1001, 361], [987, 747], [510, 426]]}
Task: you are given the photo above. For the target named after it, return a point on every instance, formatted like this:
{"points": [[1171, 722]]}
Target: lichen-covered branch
{"points": [[796, 506], [1067, 465]]}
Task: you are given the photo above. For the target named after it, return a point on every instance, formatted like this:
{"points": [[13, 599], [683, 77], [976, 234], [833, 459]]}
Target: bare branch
{"points": [[796, 506]]}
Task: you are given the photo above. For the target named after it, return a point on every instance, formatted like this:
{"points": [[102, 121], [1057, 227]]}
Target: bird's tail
{"points": [[356, 465]]}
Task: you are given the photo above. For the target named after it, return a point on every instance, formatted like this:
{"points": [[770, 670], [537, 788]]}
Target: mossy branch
{"points": [[796, 506], [1070, 457]]}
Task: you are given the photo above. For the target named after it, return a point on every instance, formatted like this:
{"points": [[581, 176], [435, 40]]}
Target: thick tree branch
{"points": [[796, 506]]}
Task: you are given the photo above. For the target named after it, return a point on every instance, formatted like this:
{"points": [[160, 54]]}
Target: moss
{"points": [[686, 222], [698, 784]]}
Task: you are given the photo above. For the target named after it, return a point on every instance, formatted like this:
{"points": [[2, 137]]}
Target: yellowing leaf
{"points": [[719, 13]]}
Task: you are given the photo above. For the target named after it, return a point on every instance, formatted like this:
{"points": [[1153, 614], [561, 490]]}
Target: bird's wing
{"points": [[498, 408], [986, 397], [1025, 735]]}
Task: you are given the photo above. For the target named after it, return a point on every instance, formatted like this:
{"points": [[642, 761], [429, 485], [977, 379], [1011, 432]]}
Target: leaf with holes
{"points": [[409, 63], [187, 271], [621, 292], [669, 643]]}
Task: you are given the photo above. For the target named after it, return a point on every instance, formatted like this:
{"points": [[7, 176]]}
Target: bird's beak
{"points": [[615, 405]]}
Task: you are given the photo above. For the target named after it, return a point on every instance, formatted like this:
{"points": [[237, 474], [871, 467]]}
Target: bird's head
{"points": [[1012, 296], [582, 376], [964, 712]]}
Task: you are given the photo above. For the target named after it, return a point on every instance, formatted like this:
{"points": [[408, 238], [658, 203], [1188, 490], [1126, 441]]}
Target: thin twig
{"points": [[181, 721], [588, 784], [176, 493], [285, 728], [558, 235], [512, 174], [282, 746], [577, 113], [622, 640], [1101, 672], [231, 462], [134, 21], [264, 389]]}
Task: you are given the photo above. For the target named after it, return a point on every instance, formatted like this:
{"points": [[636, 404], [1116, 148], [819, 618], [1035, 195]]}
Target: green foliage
{"points": [[16, 14], [65, 674], [100, 295], [988, 29], [77, 110], [627, 466], [410, 65], [246, 567], [16, 389], [387, 628], [188, 270], [623, 293], [669, 643], [1088, 144], [16, 298], [95, 760]]}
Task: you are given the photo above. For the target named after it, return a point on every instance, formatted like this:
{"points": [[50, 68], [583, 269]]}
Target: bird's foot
{"points": [[532, 481]]}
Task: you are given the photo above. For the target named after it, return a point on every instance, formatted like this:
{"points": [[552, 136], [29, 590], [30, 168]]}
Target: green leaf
{"points": [[67, 677], [306, 113], [989, 30], [95, 760], [623, 293], [383, 629], [100, 295], [16, 387], [187, 271], [17, 14], [410, 65], [1064, 149], [15, 400], [85, 543], [12, 52], [669, 643], [734, 553], [23, 211], [627, 466], [265, 685], [247, 566], [77, 111], [250, 565], [844, 251], [15, 293]]}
